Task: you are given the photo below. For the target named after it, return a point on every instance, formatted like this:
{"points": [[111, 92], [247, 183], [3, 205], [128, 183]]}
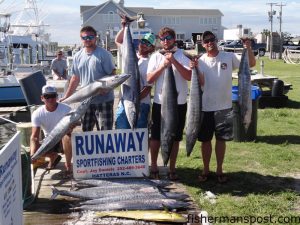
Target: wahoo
{"points": [[244, 84], [194, 119], [105, 83], [131, 88], [62, 128], [169, 114]]}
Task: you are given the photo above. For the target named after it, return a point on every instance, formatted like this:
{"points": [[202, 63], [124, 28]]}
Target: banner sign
{"points": [[110, 154], [11, 205]]}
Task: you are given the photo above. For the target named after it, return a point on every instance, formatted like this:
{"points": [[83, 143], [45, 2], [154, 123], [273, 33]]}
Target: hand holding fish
{"points": [[193, 63], [246, 43]]}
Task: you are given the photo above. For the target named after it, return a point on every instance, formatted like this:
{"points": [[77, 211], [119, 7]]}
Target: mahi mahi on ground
{"points": [[105, 83], [244, 88], [194, 118], [131, 87], [61, 128], [169, 115], [153, 215]]}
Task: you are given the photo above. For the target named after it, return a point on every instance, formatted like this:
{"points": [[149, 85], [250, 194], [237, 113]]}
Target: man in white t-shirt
{"points": [[216, 67], [158, 63], [145, 48], [45, 118]]}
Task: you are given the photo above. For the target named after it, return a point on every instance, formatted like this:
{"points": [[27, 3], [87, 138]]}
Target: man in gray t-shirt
{"points": [[59, 67], [89, 64]]}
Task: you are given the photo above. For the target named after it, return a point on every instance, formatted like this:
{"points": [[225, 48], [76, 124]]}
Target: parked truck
{"points": [[237, 46]]}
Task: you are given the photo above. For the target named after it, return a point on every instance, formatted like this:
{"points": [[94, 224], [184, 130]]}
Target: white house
{"points": [[188, 23]]}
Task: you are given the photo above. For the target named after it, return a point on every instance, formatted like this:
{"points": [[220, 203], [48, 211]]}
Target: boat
{"points": [[10, 92]]}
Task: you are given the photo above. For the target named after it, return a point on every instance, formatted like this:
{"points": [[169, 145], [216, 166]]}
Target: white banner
{"points": [[11, 208], [110, 154]]}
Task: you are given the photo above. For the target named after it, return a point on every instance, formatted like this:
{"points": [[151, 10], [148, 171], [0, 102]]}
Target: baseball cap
{"points": [[207, 33], [47, 89], [149, 37]]}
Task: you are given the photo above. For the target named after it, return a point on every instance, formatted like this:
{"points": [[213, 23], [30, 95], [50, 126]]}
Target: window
{"points": [[111, 17], [171, 20], [180, 36]]}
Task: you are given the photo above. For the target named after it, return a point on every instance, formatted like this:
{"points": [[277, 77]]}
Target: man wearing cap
{"points": [[216, 67], [59, 67], [45, 118], [89, 64], [145, 48], [169, 56]]}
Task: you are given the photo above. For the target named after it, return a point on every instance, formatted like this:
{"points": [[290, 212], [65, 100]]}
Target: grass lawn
{"points": [[264, 174]]}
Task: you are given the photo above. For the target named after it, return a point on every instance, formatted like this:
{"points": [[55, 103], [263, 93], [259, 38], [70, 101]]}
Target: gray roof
{"points": [[159, 12], [186, 12]]}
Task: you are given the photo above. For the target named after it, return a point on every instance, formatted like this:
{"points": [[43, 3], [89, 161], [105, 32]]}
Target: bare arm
{"points": [[74, 81], [252, 60], [152, 76], [34, 140], [120, 34], [145, 91]]}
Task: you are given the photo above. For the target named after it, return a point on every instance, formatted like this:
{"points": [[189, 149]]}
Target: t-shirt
{"points": [[181, 84], [143, 65], [93, 66], [217, 89], [41, 117], [60, 66]]}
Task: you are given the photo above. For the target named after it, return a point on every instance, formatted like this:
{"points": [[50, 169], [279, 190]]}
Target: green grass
{"points": [[263, 173]]}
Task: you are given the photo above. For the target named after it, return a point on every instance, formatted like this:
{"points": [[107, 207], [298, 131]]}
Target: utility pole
{"points": [[271, 13], [280, 32]]}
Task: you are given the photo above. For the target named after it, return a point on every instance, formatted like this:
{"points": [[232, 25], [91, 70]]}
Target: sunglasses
{"points": [[59, 54], [168, 38], [50, 96], [88, 37], [145, 42], [206, 41]]}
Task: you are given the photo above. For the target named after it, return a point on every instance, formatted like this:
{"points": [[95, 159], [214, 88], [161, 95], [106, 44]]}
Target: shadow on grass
{"points": [[292, 104], [239, 183], [279, 139]]}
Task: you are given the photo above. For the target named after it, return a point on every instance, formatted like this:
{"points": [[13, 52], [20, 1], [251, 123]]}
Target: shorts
{"points": [[58, 148], [122, 121], [101, 113], [218, 122], [156, 118]]}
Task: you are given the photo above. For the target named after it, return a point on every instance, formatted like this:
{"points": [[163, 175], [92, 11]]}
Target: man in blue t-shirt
{"points": [[89, 64]]}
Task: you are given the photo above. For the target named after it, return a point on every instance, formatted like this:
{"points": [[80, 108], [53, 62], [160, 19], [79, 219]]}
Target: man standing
{"points": [[45, 118], [59, 67], [155, 73], [145, 48], [217, 67], [89, 64]]}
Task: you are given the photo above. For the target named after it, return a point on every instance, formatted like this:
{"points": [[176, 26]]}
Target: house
{"points": [[188, 23]]}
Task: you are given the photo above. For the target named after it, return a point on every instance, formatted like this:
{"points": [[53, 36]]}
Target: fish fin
{"points": [[55, 192], [166, 209]]}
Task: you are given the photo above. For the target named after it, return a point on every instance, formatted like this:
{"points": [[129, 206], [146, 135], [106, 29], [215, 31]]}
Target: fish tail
{"points": [[55, 192]]}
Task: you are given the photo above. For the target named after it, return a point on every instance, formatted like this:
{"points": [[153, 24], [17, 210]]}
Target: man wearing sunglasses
{"points": [[45, 118], [170, 55], [59, 67], [89, 64], [216, 67], [145, 48]]}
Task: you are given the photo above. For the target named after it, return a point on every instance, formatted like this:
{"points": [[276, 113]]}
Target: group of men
{"points": [[215, 70]]}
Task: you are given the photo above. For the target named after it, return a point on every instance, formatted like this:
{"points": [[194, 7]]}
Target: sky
{"points": [[63, 16]]}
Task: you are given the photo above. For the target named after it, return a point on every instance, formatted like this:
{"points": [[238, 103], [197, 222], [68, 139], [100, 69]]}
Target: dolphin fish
{"points": [[131, 87], [244, 86], [105, 83], [61, 128], [169, 114]]}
